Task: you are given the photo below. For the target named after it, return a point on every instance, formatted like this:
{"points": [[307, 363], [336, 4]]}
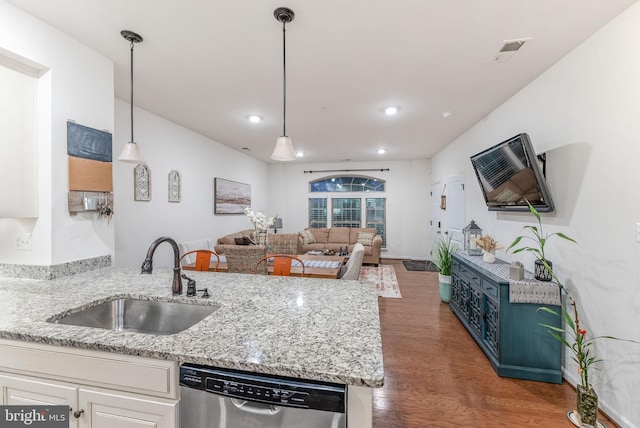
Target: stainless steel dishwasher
{"points": [[220, 398]]}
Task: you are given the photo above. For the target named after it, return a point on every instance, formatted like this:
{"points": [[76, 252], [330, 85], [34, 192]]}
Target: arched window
{"points": [[347, 183], [348, 210]]}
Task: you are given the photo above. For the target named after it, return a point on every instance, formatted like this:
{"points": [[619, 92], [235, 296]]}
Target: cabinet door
{"points": [[475, 310], [22, 391], [104, 409], [490, 327]]}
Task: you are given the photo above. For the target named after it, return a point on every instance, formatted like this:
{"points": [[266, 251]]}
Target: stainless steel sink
{"points": [[140, 316]]}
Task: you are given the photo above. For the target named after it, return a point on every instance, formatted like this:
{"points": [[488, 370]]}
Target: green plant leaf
{"points": [[515, 242], [549, 310], [563, 236], [534, 211]]}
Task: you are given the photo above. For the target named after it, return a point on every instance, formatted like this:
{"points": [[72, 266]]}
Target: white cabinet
{"points": [[24, 391], [89, 407], [33, 375], [105, 409]]}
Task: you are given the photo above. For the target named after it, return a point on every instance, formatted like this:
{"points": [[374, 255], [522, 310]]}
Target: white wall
{"points": [[78, 85], [584, 113], [166, 146], [407, 194]]}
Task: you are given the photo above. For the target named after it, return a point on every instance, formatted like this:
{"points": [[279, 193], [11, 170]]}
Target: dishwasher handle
{"points": [[250, 407]]}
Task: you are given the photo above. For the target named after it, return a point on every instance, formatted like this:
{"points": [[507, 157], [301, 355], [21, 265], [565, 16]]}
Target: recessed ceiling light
{"points": [[254, 118], [381, 151], [447, 114], [299, 154], [391, 110]]}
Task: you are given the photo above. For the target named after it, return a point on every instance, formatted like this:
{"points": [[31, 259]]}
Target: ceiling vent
{"points": [[507, 50]]}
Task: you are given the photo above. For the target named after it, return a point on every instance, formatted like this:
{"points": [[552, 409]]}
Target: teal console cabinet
{"points": [[508, 333]]}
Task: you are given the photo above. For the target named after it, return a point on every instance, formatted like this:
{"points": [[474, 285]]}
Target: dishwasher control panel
{"points": [[265, 394], [265, 388]]}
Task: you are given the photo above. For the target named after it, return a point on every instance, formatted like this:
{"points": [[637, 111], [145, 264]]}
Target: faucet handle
{"points": [[205, 293], [191, 286]]}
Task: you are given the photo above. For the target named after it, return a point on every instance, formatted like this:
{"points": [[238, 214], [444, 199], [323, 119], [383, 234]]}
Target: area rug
{"points": [[420, 265], [384, 276]]}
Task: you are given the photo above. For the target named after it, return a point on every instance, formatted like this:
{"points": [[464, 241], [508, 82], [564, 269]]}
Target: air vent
{"points": [[507, 50]]}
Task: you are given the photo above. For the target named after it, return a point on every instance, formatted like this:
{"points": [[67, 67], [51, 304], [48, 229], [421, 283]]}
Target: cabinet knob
{"points": [[78, 413]]}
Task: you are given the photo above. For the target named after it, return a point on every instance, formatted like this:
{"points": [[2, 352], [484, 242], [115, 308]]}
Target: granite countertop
{"points": [[307, 328]]}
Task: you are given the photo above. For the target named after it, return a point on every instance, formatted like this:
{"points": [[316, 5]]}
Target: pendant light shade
{"points": [[131, 151], [284, 151]]}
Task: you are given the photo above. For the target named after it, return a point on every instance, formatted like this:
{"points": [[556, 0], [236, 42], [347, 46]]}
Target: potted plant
{"points": [[575, 339], [444, 249], [539, 239]]}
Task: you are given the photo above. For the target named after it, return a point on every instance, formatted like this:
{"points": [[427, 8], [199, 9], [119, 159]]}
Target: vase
{"points": [[488, 257], [261, 237], [541, 273], [444, 286], [587, 406]]}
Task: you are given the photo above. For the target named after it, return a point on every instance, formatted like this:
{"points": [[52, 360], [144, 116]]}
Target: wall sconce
{"points": [[277, 224]]}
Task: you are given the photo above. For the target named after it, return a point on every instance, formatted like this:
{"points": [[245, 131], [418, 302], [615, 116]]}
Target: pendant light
{"points": [[131, 152], [284, 151]]}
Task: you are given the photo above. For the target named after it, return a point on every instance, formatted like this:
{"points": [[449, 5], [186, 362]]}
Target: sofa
{"points": [[279, 243], [319, 239]]}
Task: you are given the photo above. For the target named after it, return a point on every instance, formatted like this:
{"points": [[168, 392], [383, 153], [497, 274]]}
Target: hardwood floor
{"points": [[436, 375]]}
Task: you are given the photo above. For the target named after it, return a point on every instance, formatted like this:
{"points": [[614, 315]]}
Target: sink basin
{"points": [[140, 316]]}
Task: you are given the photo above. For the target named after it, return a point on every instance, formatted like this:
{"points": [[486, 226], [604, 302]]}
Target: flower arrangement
{"points": [[260, 221], [488, 244]]}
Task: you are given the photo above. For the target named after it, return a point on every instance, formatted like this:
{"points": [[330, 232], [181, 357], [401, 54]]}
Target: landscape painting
{"points": [[230, 197]]}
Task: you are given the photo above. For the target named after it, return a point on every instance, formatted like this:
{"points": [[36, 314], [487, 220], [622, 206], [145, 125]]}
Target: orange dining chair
{"points": [[281, 264], [203, 259]]}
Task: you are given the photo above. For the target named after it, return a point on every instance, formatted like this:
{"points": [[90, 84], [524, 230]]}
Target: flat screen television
{"points": [[509, 176]]}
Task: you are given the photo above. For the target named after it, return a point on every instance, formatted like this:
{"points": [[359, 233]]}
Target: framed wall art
{"points": [[141, 183], [230, 197], [175, 186]]}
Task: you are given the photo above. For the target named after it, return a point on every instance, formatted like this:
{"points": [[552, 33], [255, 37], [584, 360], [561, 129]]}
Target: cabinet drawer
{"points": [[116, 371], [490, 290]]}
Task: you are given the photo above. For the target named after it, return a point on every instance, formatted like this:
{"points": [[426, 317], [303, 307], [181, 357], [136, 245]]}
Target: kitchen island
{"points": [[303, 328]]}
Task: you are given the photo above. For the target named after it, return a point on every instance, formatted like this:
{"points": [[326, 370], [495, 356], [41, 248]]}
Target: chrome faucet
{"points": [[147, 265]]}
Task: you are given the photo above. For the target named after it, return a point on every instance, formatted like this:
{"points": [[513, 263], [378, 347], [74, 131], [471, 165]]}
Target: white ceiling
{"points": [[207, 65]]}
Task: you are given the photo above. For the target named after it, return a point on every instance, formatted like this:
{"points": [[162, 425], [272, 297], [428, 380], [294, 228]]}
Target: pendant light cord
{"points": [[284, 80], [132, 92]]}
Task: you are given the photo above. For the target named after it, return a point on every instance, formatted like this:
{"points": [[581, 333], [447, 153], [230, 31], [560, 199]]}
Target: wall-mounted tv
{"points": [[509, 176]]}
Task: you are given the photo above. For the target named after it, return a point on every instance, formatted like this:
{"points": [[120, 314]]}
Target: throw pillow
{"points": [[245, 240], [365, 238], [307, 237]]}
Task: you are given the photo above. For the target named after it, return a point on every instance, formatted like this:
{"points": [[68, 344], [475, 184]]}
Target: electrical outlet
{"points": [[23, 242]]}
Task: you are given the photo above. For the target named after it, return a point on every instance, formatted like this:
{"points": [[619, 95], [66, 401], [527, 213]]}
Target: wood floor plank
{"points": [[437, 376]]}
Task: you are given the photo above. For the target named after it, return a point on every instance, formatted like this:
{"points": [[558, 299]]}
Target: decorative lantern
{"points": [[471, 233]]}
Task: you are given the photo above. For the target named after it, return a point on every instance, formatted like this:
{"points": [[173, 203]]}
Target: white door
{"points": [[455, 211], [435, 224], [103, 409]]}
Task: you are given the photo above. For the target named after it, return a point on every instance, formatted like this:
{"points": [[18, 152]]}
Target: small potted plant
{"points": [[543, 266], [444, 249]]}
